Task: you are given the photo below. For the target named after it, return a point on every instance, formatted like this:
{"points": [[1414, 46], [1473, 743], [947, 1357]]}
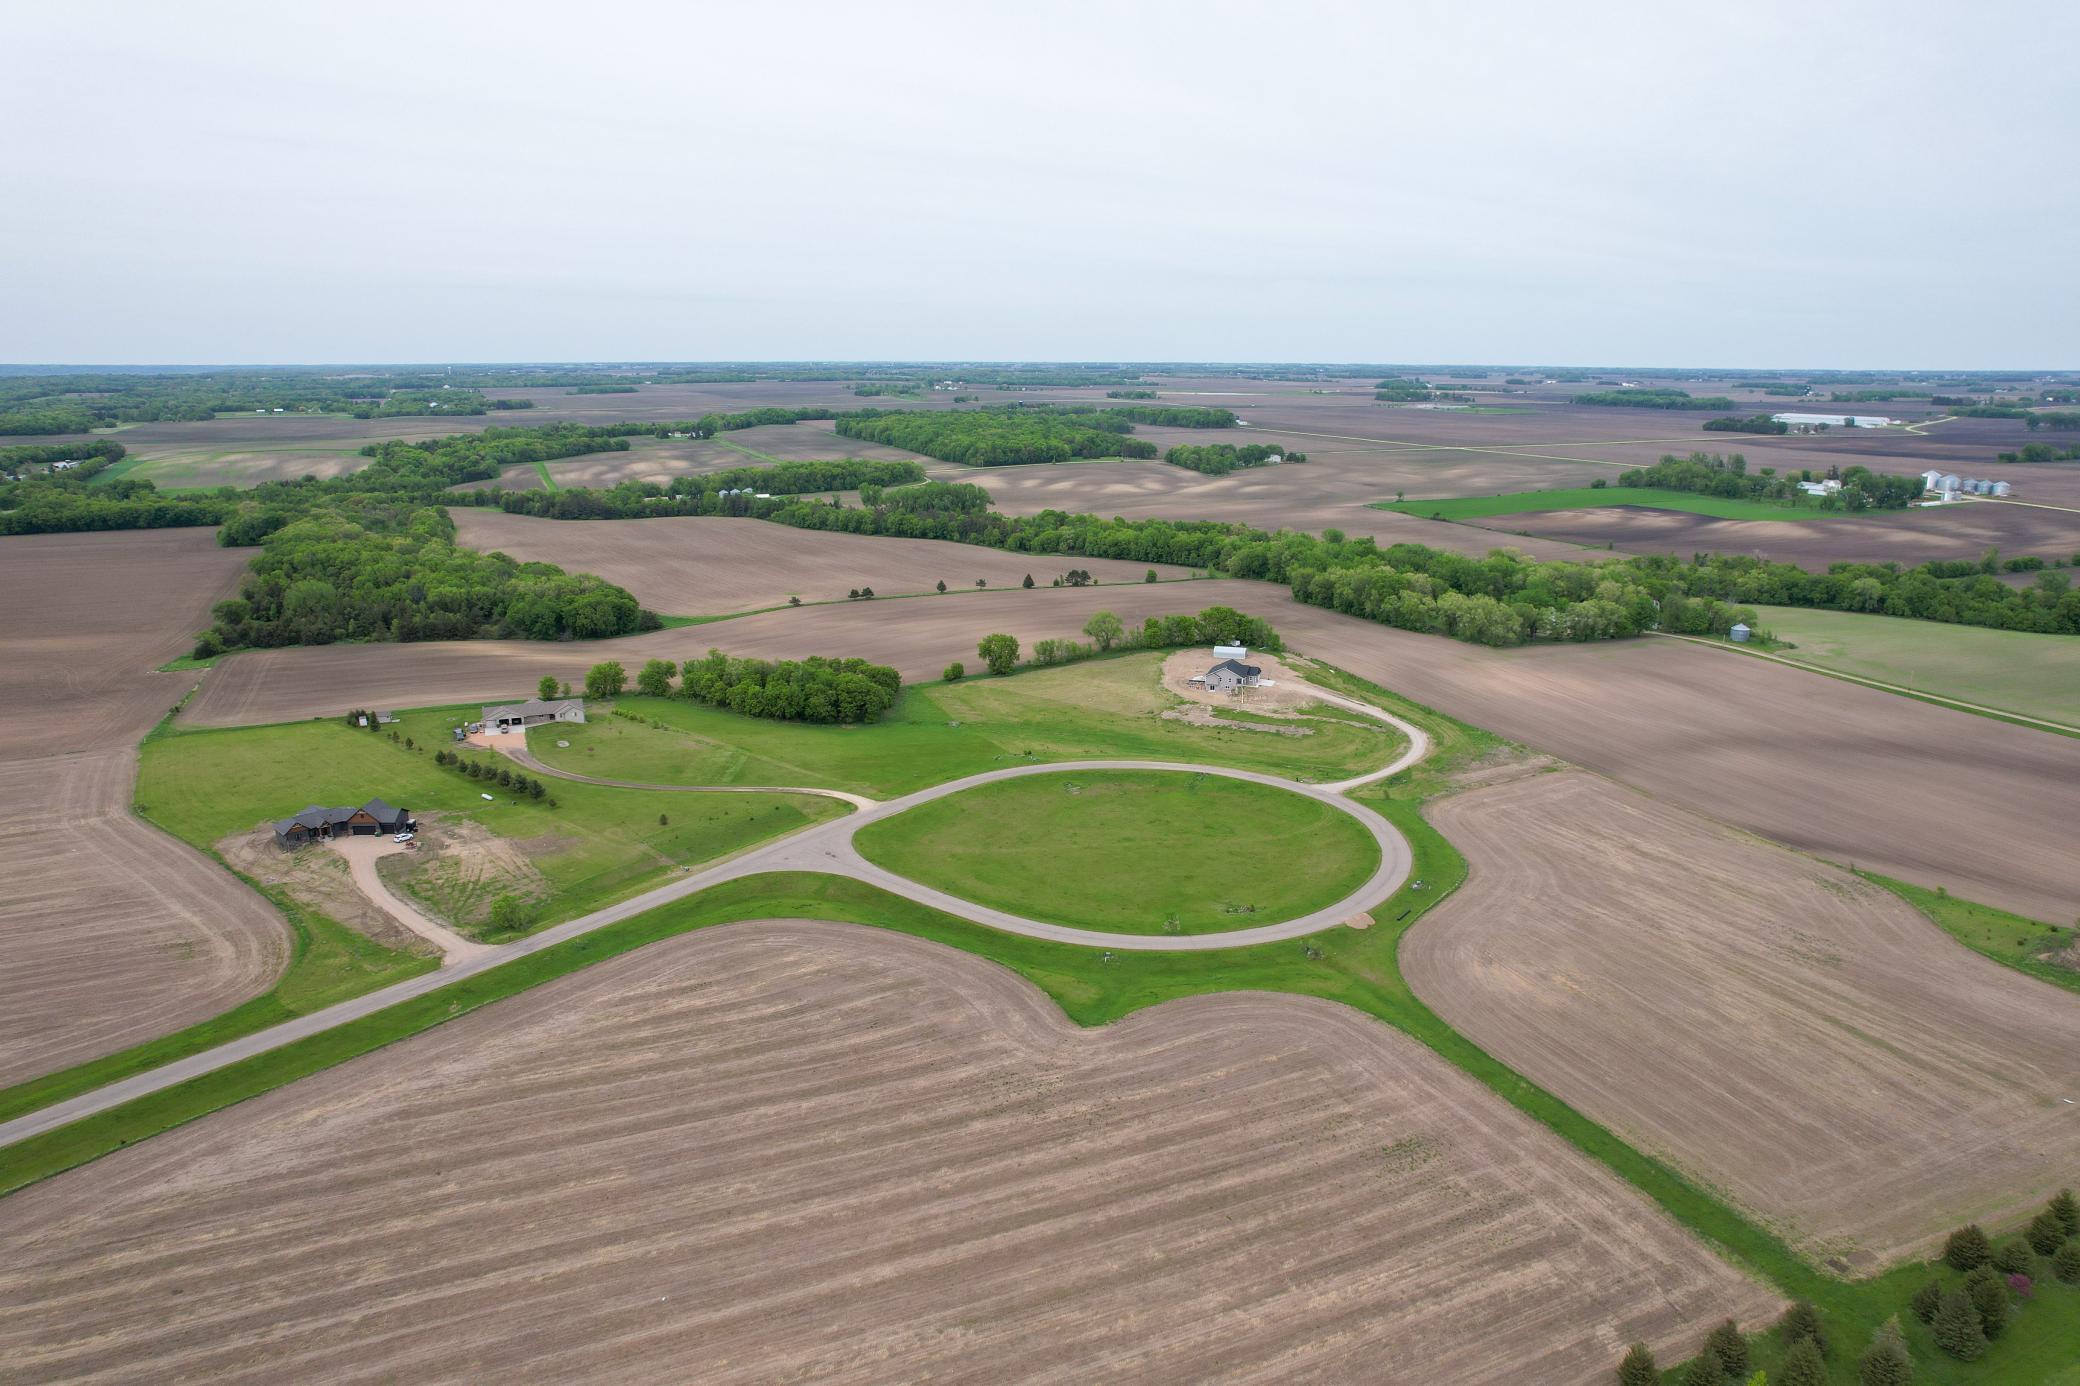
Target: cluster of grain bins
{"points": [[1949, 485]]}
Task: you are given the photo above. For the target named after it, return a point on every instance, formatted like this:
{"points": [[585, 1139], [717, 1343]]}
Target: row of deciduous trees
{"points": [[816, 689], [998, 437], [1218, 459]]}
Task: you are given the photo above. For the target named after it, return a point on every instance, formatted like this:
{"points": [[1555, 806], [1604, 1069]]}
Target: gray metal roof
{"points": [[1241, 670], [532, 707]]}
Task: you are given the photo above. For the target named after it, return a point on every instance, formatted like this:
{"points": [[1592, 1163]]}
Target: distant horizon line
{"points": [[746, 363]]}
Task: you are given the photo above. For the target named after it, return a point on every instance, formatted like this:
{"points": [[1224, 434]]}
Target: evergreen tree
{"points": [[2066, 1264], [1802, 1321], [1704, 1371], [1729, 1347], [1957, 1328], [1029, 580], [2014, 1258], [1967, 1248], [1803, 1366], [1638, 1368], [1988, 1292], [1886, 1362], [2046, 1232], [1927, 1300], [2067, 1210]]}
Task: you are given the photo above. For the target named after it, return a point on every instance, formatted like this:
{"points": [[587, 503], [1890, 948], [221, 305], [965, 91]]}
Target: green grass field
{"points": [[1132, 851], [1592, 497], [1106, 708], [597, 846], [2014, 671]]}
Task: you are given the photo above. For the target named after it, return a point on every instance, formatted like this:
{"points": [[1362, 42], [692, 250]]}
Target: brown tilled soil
{"points": [[706, 566], [1854, 774], [1916, 536], [113, 932], [1783, 1030], [319, 879], [791, 1151]]}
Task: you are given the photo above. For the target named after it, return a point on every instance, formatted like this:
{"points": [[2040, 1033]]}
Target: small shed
{"points": [[1740, 632]]}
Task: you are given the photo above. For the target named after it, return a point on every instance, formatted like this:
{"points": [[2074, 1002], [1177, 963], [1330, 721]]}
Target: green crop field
{"points": [[596, 846], [2014, 671], [1594, 497], [1134, 851], [1108, 708]]}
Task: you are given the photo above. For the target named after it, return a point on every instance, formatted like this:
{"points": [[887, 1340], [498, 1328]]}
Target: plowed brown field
{"points": [[1783, 1030], [790, 1151], [110, 932], [704, 566]]}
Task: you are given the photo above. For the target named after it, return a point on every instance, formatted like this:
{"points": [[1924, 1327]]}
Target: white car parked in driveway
{"points": [[404, 837]]}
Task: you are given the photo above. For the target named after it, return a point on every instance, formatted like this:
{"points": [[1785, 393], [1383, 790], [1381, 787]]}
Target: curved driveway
{"points": [[827, 848]]}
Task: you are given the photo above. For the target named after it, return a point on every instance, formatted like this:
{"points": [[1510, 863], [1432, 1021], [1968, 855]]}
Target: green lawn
{"points": [[1106, 708], [1591, 497], [2014, 671], [596, 846], [1133, 851]]}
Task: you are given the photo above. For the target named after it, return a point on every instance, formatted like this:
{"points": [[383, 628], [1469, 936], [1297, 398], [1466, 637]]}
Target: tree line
{"points": [[1219, 459], [816, 689], [1754, 423], [1654, 398], [997, 437], [731, 492]]}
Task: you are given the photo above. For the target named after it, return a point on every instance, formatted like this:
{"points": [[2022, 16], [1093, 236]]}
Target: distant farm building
{"points": [[316, 824], [534, 712], [1807, 422]]}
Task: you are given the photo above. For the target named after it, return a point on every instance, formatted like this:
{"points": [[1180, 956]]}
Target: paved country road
{"points": [[826, 848]]}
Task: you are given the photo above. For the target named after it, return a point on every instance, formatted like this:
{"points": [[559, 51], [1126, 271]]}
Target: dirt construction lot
{"points": [[791, 1151], [1907, 788], [711, 566], [113, 933], [1784, 1031]]}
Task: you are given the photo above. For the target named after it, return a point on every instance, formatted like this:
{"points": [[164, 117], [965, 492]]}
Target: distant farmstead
{"points": [[316, 824], [534, 712]]}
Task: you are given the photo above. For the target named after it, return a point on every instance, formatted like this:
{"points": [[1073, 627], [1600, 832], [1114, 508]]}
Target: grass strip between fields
{"points": [[1598, 497], [1358, 968]]}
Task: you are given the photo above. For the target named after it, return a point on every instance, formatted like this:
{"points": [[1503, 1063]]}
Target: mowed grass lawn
{"points": [[597, 846], [1131, 851], [2015, 671], [1594, 497], [1101, 709]]}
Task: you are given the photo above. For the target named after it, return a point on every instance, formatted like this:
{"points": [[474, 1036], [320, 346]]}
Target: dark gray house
{"points": [[317, 824]]}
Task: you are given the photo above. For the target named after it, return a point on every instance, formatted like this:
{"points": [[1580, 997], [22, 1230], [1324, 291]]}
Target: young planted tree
{"points": [[942, 584], [1988, 1291], [2046, 1232], [1802, 1321], [1104, 628], [1728, 1348], [1029, 580], [999, 652], [1958, 1328], [654, 679], [546, 689], [1638, 1368], [2065, 1263], [1803, 1366], [2015, 1258], [606, 679], [1886, 1361], [1704, 1371], [1151, 576], [1927, 1300], [1967, 1248], [955, 672], [2067, 1209]]}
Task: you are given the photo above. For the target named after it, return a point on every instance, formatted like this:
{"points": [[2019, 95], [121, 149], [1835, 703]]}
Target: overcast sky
{"points": [[1766, 185]]}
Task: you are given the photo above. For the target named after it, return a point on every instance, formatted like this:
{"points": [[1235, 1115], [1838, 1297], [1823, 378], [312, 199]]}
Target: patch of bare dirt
{"points": [[319, 880], [459, 869], [796, 1151]]}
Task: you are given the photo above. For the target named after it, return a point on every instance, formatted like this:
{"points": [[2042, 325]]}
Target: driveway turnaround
{"points": [[826, 848]]}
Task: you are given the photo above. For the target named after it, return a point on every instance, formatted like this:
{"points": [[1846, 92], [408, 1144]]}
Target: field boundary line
{"points": [[1922, 694]]}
